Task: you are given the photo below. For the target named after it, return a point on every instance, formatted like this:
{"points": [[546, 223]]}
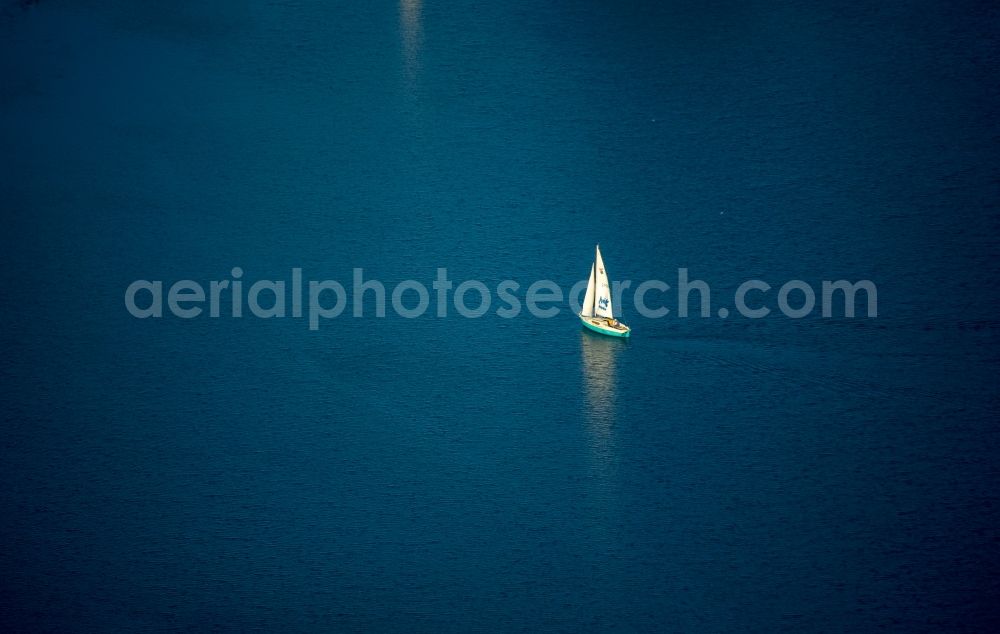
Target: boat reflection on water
{"points": [[412, 30], [599, 361]]}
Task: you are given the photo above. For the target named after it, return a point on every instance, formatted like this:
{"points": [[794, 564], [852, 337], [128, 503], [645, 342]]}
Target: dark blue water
{"points": [[450, 474]]}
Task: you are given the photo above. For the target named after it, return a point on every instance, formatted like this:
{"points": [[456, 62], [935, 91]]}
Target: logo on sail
{"points": [[603, 302]]}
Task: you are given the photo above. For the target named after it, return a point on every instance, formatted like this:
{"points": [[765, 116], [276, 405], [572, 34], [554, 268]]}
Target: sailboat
{"points": [[597, 313]]}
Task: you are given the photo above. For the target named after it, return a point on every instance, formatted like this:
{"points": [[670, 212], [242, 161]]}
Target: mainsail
{"points": [[602, 302]]}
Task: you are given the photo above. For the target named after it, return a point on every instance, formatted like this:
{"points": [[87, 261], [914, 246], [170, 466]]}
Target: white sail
{"points": [[602, 301], [588, 299]]}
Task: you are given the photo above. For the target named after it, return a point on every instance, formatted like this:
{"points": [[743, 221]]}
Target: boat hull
{"points": [[597, 324]]}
